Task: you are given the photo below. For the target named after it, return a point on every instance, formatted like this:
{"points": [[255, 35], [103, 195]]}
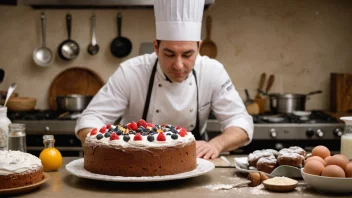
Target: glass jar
{"points": [[17, 137], [4, 128], [346, 138]]}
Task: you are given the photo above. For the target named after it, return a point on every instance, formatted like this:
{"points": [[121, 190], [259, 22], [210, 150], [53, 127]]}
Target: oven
{"points": [[285, 130], [48, 122]]}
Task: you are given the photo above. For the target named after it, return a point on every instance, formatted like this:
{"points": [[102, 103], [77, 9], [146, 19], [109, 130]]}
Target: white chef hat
{"points": [[178, 20]]}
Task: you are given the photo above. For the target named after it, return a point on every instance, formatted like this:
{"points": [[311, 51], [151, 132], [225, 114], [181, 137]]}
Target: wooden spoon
{"points": [[254, 179], [280, 184], [270, 83], [208, 47]]}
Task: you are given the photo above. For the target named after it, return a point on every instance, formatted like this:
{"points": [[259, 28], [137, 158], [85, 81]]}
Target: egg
{"points": [[327, 158], [313, 167], [344, 157], [316, 158], [337, 160], [348, 170], [321, 151], [333, 171]]}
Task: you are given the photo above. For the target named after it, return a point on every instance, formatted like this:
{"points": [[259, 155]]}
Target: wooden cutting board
{"points": [[75, 80], [341, 92]]}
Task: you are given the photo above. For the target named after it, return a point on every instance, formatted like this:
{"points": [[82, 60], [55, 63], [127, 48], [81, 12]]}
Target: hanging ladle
{"points": [[93, 48], [9, 92]]}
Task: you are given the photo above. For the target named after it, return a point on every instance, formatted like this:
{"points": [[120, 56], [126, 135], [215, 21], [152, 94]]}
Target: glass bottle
{"points": [[346, 138], [4, 128], [51, 157], [17, 137]]}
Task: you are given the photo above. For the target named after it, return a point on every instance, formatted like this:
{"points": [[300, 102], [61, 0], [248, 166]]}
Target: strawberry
{"points": [[102, 130], [183, 132], [137, 137], [161, 137], [132, 126], [150, 125], [142, 122], [108, 126], [94, 131]]}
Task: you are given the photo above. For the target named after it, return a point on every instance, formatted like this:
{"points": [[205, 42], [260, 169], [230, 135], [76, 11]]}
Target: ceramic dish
{"points": [[328, 184]]}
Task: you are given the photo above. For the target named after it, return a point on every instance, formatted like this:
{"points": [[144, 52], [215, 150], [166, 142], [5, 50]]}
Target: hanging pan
{"points": [[120, 46], [68, 49]]}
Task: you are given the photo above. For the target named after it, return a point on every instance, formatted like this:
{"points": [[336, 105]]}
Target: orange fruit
{"points": [[51, 159]]}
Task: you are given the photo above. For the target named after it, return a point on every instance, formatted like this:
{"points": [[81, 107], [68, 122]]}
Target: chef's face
{"points": [[176, 58]]}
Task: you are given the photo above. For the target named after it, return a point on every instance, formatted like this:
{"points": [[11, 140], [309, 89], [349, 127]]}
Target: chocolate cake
{"points": [[139, 149]]}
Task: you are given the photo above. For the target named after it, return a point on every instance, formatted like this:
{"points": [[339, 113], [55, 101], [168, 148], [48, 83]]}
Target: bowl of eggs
{"points": [[327, 173]]}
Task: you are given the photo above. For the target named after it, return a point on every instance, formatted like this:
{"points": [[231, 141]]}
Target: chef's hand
{"points": [[206, 150], [82, 134]]}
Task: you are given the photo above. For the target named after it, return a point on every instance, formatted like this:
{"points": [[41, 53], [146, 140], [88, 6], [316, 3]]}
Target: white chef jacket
{"points": [[125, 93]]}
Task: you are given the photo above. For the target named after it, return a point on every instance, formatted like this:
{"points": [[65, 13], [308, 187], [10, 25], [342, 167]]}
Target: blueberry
{"points": [[126, 138], [174, 136], [107, 135], [174, 131], [155, 128], [145, 133], [150, 138], [99, 136], [132, 132], [119, 132], [168, 133], [139, 130], [141, 127]]}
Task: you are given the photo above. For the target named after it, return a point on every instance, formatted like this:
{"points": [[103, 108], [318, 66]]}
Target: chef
{"points": [[174, 85]]}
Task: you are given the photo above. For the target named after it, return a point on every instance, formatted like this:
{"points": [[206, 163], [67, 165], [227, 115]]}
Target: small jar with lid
{"points": [[346, 138], [4, 128], [17, 137]]}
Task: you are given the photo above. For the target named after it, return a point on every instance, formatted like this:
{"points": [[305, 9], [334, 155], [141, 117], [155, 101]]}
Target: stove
{"points": [[49, 122], [284, 130]]}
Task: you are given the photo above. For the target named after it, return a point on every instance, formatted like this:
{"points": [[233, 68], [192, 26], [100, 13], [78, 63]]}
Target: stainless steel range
{"points": [[279, 131], [39, 123]]}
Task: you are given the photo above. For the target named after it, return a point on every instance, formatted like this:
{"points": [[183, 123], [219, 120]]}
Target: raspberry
{"points": [[183, 132], [142, 122], [137, 137], [178, 127], [150, 125], [161, 137], [108, 126], [132, 126], [94, 131], [102, 130], [114, 136]]}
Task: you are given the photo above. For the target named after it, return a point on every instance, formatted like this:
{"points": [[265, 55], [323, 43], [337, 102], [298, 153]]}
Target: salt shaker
{"points": [[346, 138], [17, 137], [4, 128]]}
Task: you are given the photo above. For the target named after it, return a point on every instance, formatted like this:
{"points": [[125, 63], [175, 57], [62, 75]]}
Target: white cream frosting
{"points": [[144, 143], [17, 162]]}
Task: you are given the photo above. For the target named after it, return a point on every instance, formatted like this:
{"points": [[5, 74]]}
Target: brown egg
{"points": [[337, 160], [348, 170], [316, 158], [313, 167], [321, 151], [333, 171], [327, 158], [344, 157]]}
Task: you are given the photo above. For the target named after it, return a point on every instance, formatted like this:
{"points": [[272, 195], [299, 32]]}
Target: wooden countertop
{"points": [[63, 184]]}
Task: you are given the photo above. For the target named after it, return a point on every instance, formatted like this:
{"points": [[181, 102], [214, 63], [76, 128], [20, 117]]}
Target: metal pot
{"points": [[72, 102], [287, 103]]}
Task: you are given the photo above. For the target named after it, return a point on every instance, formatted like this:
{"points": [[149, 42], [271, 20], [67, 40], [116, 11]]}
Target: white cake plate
{"points": [[76, 168]]}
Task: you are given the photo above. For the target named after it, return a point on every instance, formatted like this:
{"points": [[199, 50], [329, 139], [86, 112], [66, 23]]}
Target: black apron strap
{"points": [[150, 88], [196, 130]]}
